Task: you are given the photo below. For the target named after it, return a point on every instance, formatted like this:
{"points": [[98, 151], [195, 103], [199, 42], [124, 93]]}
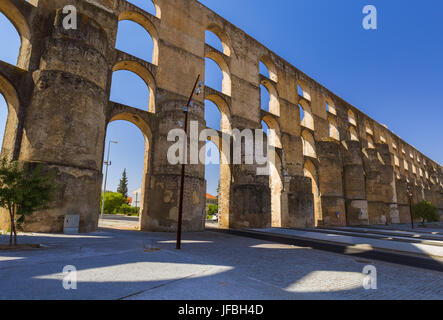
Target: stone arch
{"points": [[275, 133], [351, 117], [274, 104], [353, 134], [145, 129], [303, 90], [221, 62], [310, 171], [223, 107], [13, 103], [333, 128], [370, 142], [270, 65], [308, 119], [144, 74], [22, 27], [226, 43], [330, 106], [140, 19], [309, 149], [225, 180]]}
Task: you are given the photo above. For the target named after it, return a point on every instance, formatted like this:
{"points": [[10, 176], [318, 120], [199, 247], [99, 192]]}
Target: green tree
{"points": [[113, 201], [426, 211], [23, 190], [212, 209], [123, 186]]}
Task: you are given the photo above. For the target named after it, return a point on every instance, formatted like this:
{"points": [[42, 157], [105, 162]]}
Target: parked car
{"points": [[215, 218]]}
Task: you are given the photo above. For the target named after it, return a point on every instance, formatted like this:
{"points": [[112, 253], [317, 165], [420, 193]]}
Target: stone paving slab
{"points": [[116, 264]]}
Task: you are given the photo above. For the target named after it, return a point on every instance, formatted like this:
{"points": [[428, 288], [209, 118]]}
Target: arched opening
{"points": [[269, 98], [130, 154], [217, 75], [130, 89], [12, 22], [306, 118], [3, 118], [146, 5], [133, 39], [330, 107], [266, 67], [218, 37], [351, 118], [310, 171], [217, 170], [264, 98], [136, 35], [213, 75], [308, 144], [368, 127], [213, 40], [303, 92], [370, 142], [10, 52], [9, 110], [353, 134], [333, 129], [272, 132]]}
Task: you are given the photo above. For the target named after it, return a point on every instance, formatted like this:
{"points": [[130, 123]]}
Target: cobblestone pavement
{"points": [[115, 264]]}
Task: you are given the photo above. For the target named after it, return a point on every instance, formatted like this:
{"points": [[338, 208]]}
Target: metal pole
{"points": [[182, 180], [106, 178], [410, 204]]}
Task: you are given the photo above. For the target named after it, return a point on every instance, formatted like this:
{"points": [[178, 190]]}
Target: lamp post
{"points": [[196, 91], [107, 164], [410, 195]]}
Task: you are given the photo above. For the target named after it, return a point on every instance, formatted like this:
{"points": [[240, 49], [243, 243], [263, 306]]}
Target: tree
{"points": [[426, 211], [123, 186], [212, 209], [113, 201], [23, 190]]}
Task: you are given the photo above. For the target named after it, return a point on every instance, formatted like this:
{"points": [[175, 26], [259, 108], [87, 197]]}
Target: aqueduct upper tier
{"points": [[335, 165]]}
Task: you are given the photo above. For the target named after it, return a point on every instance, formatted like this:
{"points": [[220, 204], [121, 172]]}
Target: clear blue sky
{"points": [[393, 74]]}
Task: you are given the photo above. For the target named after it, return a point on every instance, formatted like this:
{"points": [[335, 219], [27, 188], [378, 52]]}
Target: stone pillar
{"points": [[331, 184], [162, 193], [354, 184], [64, 127]]}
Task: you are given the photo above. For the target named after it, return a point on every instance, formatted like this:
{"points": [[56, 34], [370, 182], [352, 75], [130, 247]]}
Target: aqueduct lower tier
{"points": [[335, 166]]}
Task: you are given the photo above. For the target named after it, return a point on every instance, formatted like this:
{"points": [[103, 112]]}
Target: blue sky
{"points": [[392, 74]]}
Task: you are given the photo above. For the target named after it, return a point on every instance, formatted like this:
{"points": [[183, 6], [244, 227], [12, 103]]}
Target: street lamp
{"points": [[107, 164], [410, 195], [196, 90]]}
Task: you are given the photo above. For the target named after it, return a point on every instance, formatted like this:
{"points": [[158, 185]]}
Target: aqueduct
{"points": [[336, 165]]}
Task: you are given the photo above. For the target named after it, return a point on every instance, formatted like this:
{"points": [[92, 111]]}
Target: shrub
{"points": [[113, 201], [426, 211], [127, 210]]}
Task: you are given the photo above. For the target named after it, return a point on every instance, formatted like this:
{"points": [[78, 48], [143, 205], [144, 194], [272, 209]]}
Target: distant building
{"points": [[210, 199]]}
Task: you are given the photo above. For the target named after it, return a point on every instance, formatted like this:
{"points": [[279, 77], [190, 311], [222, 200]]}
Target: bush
{"points": [[127, 210], [426, 211], [113, 201], [212, 209]]}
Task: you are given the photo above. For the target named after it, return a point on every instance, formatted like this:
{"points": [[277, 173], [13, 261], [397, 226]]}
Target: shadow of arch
{"points": [[223, 107], [13, 103], [226, 43], [274, 104], [144, 74], [20, 23], [145, 129], [147, 25], [220, 61]]}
